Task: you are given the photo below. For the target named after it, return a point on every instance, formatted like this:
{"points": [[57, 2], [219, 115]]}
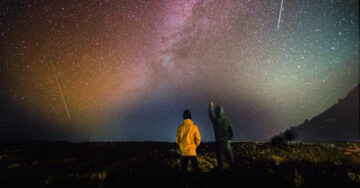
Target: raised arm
{"points": [[212, 117]]}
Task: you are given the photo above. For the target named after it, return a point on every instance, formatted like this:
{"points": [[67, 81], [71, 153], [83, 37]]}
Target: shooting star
{"points": [[61, 93], [281, 9]]}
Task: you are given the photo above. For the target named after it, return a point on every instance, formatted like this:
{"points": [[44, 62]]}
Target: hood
{"points": [[219, 112]]}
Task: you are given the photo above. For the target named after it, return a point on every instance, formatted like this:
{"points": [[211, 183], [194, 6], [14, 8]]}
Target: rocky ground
{"points": [[153, 164]]}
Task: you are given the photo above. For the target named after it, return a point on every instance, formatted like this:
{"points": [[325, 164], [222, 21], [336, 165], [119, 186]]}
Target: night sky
{"points": [[107, 70]]}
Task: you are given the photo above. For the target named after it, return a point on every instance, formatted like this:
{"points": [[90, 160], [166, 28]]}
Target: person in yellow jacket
{"points": [[188, 138]]}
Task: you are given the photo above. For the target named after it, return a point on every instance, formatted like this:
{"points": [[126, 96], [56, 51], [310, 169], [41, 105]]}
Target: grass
{"points": [[153, 164]]}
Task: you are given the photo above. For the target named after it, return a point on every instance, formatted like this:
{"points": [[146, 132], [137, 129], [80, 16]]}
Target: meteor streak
{"points": [[61, 93], [281, 9]]}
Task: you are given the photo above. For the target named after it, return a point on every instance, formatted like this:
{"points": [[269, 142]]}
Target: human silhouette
{"points": [[223, 134], [188, 138]]}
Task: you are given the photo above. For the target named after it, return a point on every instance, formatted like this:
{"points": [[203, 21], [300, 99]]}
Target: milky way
{"points": [[128, 69]]}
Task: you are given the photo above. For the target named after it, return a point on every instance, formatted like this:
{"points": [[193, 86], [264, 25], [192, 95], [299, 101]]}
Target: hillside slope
{"points": [[340, 123]]}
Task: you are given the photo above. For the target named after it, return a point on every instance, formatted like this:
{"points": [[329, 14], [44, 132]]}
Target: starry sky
{"points": [[106, 70]]}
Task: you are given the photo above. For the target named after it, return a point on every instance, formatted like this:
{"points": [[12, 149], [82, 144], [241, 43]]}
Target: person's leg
{"points": [[195, 164], [219, 156], [184, 163], [229, 155]]}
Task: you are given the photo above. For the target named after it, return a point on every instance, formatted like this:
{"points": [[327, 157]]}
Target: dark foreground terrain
{"points": [[152, 164]]}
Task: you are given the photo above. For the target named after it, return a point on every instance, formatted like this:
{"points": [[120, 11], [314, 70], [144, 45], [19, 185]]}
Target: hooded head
{"points": [[187, 114], [219, 112]]}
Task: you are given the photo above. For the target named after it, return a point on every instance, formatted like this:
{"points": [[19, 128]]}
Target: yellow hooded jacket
{"points": [[188, 138]]}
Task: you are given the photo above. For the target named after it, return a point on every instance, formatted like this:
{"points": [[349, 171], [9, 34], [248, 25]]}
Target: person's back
{"points": [[188, 138], [222, 126], [223, 134], [223, 131]]}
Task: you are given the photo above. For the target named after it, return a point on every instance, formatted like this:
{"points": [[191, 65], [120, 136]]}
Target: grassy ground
{"points": [[152, 164]]}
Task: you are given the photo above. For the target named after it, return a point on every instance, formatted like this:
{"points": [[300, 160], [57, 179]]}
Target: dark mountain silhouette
{"points": [[340, 123]]}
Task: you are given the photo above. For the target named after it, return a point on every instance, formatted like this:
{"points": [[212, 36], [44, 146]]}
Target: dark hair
{"points": [[187, 114]]}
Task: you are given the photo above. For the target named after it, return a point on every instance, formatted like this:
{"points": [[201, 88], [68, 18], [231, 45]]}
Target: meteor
{"points": [[61, 93], [281, 9]]}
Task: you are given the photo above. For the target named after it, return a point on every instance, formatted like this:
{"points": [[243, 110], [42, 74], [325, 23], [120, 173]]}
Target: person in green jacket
{"points": [[223, 134]]}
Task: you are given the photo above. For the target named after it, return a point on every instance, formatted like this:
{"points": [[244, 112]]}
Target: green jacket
{"points": [[222, 128]]}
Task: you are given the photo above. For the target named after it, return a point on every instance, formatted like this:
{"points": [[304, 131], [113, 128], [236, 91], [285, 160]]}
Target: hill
{"points": [[340, 123]]}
